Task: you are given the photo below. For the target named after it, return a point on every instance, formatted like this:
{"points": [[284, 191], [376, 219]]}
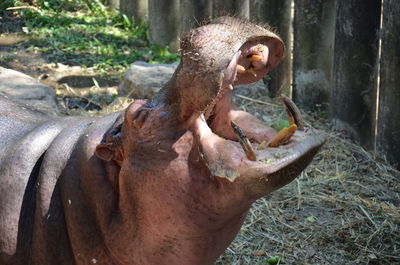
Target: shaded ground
{"points": [[344, 209], [79, 90]]}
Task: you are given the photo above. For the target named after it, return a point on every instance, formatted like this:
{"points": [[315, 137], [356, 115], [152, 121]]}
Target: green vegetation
{"points": [[280, 124], [273, 260], [87, 33]]}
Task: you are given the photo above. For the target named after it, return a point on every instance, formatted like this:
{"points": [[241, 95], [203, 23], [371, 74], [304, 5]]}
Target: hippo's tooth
{"points": [[251, 71], [230, 87], [283, 136], [293, 112], [244, 141], [262, 145], [240, 69], [255, 58]]}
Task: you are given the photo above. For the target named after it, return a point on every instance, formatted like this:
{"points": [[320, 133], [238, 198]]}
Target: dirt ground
{"points": [[343, 209]]}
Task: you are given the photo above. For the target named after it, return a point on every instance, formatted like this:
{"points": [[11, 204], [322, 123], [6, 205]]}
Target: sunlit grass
{"points": [[88, 34]]}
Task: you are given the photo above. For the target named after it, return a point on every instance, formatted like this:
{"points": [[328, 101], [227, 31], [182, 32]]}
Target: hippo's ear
{"points": [[110, 147], [105, 151]]}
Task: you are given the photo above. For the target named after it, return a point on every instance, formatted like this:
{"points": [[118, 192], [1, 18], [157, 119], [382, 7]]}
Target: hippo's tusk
{"points": [[240, 69], [230, 87], [244, 141], [293, 112], [251, 71], [255, 58], [283, 136]]}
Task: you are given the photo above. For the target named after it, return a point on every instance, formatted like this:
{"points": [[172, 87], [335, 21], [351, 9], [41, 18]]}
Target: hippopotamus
{"points": [[166, 181]]}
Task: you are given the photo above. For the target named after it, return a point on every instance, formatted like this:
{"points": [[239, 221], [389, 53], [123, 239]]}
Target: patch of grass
{"points": [[5, 4], [7, 57], [87, 33]]}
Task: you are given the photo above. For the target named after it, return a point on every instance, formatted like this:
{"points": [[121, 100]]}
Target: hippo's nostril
{"points": [[140, 118]]}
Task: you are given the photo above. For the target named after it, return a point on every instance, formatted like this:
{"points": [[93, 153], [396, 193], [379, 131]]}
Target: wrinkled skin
{"points": [[164, 182]]}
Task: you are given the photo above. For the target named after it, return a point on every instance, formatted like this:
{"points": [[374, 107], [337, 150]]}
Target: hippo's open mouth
{"points": [[250, 63], [232, 141]]}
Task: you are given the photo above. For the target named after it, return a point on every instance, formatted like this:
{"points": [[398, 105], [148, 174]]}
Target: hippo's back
{"points": [[25, 135], [35, 149], [16, 120]]}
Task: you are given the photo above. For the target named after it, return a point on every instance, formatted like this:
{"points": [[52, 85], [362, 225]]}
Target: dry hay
{"points": [[343, 209]]}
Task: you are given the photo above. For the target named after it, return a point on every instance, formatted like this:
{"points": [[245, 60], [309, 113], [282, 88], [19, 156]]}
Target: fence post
{"points": [[231, 7], [388, 137], [164, 23], [134, 8], [314, 27], [113, 3], [277, 13], [353, 96], [194, 13]]}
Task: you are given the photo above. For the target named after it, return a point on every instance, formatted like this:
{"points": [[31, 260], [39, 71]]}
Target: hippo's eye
{"points": [[211, 118]]}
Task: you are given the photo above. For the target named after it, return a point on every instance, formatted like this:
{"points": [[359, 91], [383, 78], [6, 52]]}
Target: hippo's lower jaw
{"points": [[273, 167], [226, 158]]}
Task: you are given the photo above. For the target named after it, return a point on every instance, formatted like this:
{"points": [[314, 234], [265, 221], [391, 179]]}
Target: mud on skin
{"points": [[167, 181]]}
